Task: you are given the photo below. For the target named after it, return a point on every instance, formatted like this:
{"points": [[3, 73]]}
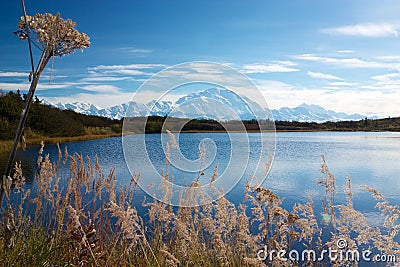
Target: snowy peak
{"points": [[224, 96], [218, 104], [313, 113], [213, 103], [84, 108], [159, 108], [313, 108]]}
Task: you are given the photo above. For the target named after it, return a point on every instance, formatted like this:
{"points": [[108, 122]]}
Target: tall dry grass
{"points": [[81, 218]]}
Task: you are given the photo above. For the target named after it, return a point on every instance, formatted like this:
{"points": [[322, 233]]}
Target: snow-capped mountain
{"points": [[158, 108], [118, 112], [315, 113], [213, 103], [84, 108], [218, 104]]}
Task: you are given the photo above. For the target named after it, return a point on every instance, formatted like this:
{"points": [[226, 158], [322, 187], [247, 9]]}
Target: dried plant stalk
{"points": [[54, 37]]}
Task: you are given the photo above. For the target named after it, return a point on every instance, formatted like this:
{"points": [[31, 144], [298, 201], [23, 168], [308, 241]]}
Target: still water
{"points": [[368, 158]]}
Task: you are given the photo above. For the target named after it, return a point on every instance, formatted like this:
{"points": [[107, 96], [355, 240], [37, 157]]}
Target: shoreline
{"points": [[5, 145], [286, 131]]}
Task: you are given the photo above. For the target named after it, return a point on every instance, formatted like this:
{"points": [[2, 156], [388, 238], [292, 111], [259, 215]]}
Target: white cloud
{"points": [[280, 66], [201, 67], [286, 63], [366, 30], [196, 73], [128, 72], [13, 74], [126, 67], [104, 79], [342, 84], [102, 88], [41, 86], [386, 82], [14, 86], [47, 86], [387, 88], [130, 69], [389, 58], [346, 51], [386, 77], [348, 62], [138, 50], [277, 85], [319, 75]]}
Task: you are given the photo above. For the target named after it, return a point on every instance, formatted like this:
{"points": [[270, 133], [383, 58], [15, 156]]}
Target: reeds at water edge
{"points": [[81, 218]]}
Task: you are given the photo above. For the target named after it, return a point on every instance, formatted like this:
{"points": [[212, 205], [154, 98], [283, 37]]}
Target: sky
{"points": [[341, 55]]}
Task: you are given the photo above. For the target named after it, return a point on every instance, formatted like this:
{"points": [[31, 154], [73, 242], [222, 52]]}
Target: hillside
{"points": [[46, 121]]}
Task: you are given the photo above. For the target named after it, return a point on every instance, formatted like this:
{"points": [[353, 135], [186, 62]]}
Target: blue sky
{"points": [[342, 55]]}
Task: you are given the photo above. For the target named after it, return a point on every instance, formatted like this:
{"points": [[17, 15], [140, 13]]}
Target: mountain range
{"points": [[213, 103]]}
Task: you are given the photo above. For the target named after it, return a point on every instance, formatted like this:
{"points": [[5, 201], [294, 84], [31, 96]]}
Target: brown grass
{"points": [[5, 145], [82, 219]]}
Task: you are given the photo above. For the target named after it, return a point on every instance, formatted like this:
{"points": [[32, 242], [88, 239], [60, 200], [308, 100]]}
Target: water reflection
{"points": [[368, 158]]}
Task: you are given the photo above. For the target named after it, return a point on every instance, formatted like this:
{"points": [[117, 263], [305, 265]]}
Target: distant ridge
{"points": [[314, 113], [192, 107]]}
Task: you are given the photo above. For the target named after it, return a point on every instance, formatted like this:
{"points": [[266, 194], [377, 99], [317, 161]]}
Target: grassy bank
{"points": [[5, 145]]}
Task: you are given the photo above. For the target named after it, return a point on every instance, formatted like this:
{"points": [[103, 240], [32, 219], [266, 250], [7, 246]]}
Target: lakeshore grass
{"points": [[33, 138], [81, 218]]}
